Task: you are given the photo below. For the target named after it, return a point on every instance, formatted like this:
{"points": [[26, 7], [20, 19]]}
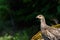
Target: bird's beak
{"points": [[36, 17]]}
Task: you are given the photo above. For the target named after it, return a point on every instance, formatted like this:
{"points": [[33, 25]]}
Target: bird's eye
{"points": [[39, 16]]}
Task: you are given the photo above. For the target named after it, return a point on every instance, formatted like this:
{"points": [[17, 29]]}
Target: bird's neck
{"points": [[43, 23]]}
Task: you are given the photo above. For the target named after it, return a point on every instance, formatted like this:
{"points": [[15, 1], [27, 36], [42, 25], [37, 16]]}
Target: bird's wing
{"points": [[54, 31], [58, 29], [49, 35]]}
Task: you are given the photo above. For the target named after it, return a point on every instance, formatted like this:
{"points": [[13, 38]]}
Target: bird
{"points": [[38, 35], [48, 31]]}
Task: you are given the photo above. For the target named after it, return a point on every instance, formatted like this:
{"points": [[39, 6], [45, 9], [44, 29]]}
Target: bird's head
{"points": [[40, 17]]}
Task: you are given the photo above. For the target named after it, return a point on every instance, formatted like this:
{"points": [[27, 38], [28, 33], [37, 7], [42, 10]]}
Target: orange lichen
{"points": [[37, 36], [56, 26]]}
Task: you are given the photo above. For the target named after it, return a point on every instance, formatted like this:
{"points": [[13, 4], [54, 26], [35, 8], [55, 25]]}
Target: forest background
{"points": [[18, 17]]}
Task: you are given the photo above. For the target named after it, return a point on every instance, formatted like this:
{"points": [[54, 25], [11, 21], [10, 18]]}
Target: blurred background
{"points": [[18, 17]]}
